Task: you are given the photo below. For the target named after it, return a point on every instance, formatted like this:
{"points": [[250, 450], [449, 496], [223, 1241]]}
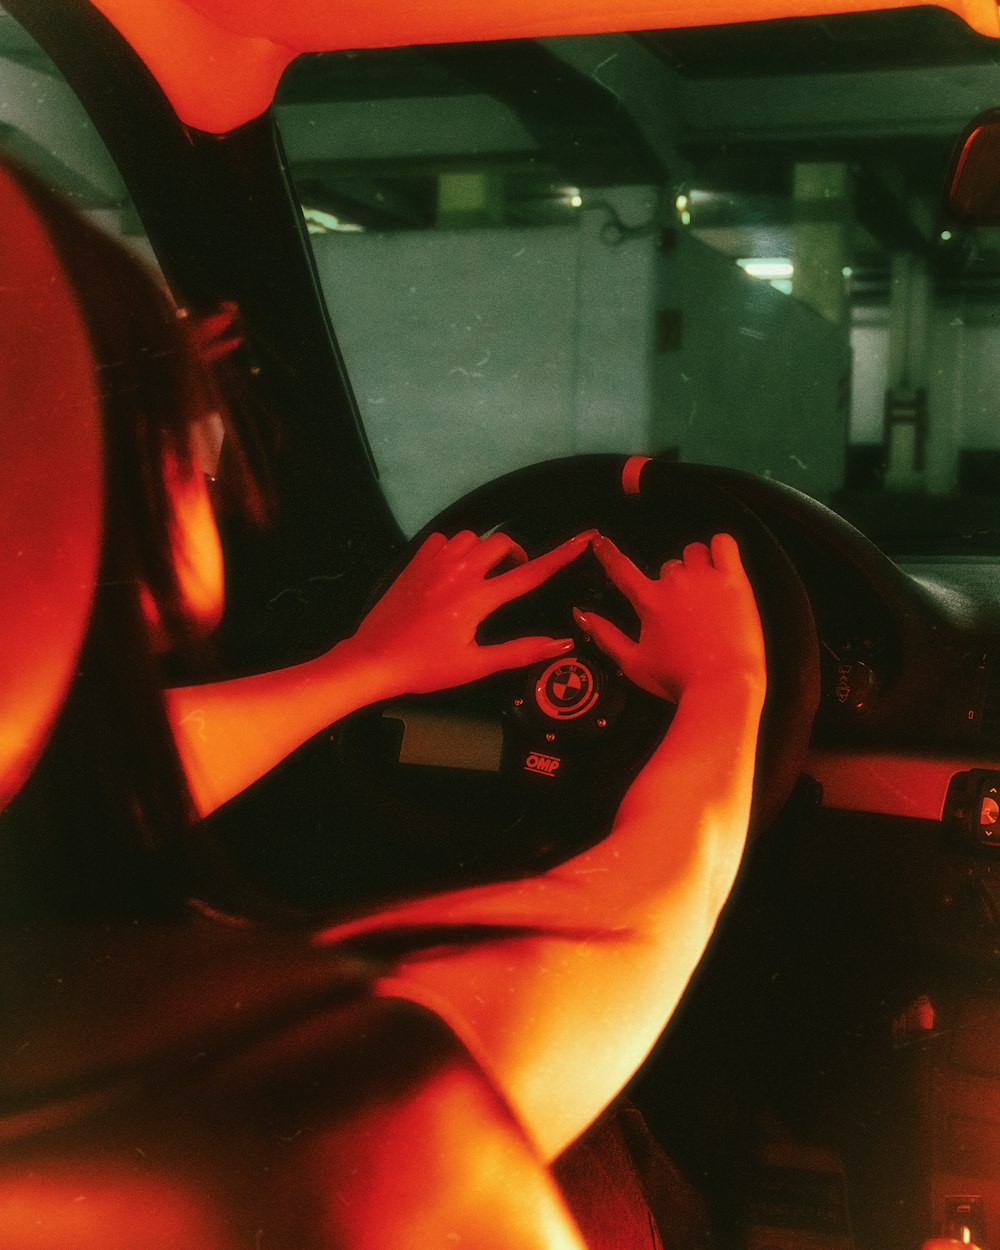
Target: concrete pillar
{"points": [[822, 216], [470, 199], [910, 299], [946, 352]]}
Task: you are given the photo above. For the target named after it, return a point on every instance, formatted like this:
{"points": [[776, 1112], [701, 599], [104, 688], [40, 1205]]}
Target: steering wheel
{"points": [[526, 768]]}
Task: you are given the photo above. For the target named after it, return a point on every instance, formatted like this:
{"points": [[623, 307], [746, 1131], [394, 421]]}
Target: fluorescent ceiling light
{"points": [[320, 222], [767, 266]]}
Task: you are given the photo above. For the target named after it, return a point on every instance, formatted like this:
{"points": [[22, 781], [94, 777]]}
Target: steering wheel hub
{"points": [[567, 689]]}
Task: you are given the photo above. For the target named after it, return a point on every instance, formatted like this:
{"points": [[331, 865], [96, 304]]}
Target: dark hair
{"points": [[102, 830]]}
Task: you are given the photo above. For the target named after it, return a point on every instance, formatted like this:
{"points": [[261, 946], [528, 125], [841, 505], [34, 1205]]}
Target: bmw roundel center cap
{"points": [[567, 689]]}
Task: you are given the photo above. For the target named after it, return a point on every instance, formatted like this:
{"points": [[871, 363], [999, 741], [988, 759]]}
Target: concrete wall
{"points": [[474, 352], [758, 380], [460, 348], [479, 351], [964, 390], [962, 378]]}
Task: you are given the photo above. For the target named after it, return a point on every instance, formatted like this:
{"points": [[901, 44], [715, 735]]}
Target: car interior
{"points": [[663, 272]]}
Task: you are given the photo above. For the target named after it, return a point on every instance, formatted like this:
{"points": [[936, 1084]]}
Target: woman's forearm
{"points": [[419, 637], [562, 1001], [575, 971], [230, 733]]}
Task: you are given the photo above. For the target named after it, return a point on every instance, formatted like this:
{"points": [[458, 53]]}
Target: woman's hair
{"points": [[102, 829]]}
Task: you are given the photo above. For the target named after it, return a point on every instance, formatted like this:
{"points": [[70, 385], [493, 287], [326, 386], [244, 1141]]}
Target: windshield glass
{"points": [[722, 245]]}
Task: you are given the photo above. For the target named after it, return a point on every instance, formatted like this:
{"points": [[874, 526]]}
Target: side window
{"points": [[45, 129]]}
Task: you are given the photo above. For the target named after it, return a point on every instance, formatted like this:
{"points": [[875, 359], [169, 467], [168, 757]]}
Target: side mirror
{"points": [[972, 194]]}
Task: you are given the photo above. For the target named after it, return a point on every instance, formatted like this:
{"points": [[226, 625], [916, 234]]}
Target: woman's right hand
{"points": [[421, 634], [698, 619]]}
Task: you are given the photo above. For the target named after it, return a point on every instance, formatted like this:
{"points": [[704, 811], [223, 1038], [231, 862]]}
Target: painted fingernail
{"points": [[581, 618], [563, 645]]}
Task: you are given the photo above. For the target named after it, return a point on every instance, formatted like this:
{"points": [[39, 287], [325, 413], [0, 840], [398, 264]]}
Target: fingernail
{"points": [[582, 539], [563, 645], [581, 618], [599, 542]]}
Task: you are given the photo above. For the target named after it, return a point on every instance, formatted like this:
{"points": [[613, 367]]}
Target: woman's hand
{"points": [[698, 620], [421, 635]]}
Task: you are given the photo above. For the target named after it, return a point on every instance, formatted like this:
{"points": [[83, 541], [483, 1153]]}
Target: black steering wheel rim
{"points": [[422, 821]]}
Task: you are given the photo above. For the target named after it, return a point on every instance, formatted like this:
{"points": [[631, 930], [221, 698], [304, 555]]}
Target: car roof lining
{"points": [[219, 61]]}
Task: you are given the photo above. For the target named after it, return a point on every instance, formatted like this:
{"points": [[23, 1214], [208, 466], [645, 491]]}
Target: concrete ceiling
{"points": [[725, 112]]}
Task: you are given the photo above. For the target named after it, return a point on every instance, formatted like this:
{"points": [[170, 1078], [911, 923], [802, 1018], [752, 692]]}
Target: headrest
{"points": [[50, 483]]}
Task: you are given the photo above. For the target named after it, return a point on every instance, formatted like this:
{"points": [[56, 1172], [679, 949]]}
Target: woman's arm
{"points": [[563, 1007], [419, 637]]}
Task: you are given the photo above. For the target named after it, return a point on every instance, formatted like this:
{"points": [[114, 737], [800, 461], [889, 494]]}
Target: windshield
{"points": [[721, 245]]}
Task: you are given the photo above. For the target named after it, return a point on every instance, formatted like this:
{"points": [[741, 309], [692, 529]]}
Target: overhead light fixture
{"points": [[576, 200], [681, 202], [946, 235], [769, 267], [318, 221]]}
